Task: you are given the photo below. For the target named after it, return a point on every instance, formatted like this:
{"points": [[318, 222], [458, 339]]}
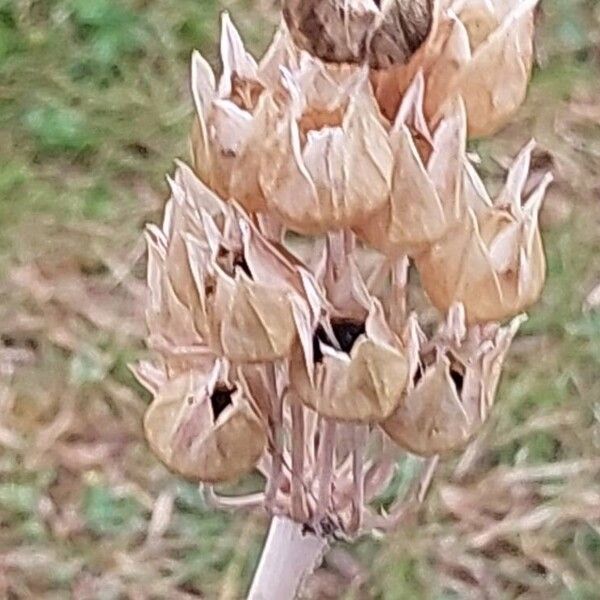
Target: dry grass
{"points": [[93, 107]]}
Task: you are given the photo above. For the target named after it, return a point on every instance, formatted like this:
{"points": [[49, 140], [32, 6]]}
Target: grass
{"points": [[93, 109]]}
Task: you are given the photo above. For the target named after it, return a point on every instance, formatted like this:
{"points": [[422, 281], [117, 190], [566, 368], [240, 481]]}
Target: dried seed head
{"points": [[493, 262], [451, 389], [201, 426], [380, 33], [480, 50]]}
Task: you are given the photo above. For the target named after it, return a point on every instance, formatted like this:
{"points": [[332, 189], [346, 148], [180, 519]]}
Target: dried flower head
{"points": [[479, 49], [201, 425], [425, 198], [452, 386], [359, 31], [297, 356], [493, 262]]}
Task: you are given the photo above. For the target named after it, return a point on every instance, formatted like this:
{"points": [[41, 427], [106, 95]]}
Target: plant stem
{"points": [[288, 557]]}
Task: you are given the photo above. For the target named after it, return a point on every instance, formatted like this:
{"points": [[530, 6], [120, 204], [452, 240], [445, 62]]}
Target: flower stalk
{"points": [[289, 556]]}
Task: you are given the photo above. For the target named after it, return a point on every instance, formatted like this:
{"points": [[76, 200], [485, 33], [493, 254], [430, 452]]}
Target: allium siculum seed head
{"points": [[426, 198], [201, 425], [493, 262], [351, 367], [220, 283], [336, 174], [379, 33], [451, 387], [479, 49]]}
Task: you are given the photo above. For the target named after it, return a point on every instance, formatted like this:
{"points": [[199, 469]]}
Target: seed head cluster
{"points": [[324, 178]]}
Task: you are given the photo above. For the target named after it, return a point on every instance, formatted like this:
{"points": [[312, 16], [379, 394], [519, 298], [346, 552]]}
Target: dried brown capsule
{"points": [[493, 262], [337, 174], [380, 33], [425, 198], [201, 425], [225, 127], [220, 282], [479, 49], [352, 367], [452, 387]]}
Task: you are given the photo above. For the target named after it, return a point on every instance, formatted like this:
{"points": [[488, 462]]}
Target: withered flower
{"points": [[359, 31], [201, 425], [451, 387], [231, 288], [426, 197], [493, 262], [479, 49], [225, 133], [352, 367], [331, 168]]}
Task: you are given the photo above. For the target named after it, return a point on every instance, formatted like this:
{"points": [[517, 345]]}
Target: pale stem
{"points": [[289, 556], [360, 435], [325, 456], [274, 479], [398, 301], [297, 461]]}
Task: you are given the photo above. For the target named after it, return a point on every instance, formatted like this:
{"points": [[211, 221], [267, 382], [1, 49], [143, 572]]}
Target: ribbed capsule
{"points": [[359, 31], [352, 366], [329, 168], [425, 198], [225, 132], [481, 50], [493, 262], [201, 425], [215, 280], [451, 388]]}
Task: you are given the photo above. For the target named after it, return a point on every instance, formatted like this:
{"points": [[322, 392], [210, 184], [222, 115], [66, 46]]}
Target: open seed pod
{"points": [[250, 294], [327, 169], [171, 313], [229, 287], [351, 367], [479, 49], [225, 133], [425, 199], [493, 262], [201, 426], [452, 387], [359, 31]]}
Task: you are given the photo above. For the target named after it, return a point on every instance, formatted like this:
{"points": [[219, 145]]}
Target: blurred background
{"points": [[94, 107]]}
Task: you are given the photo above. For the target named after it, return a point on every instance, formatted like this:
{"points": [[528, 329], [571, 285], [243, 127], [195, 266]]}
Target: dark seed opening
{"points": [[346, 333], [458, 378], [239, 260], [220, 400], [228, 260], [417, 376]]}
